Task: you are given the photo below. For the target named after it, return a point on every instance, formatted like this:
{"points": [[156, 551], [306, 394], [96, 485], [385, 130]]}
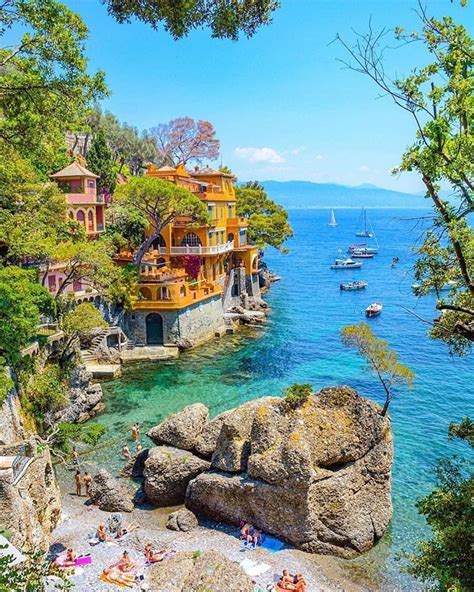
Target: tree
{"points": [[381, 360], [449, 511], [268, 221], [439, 97], [22, 300], [100, 162], [161, 202], [183, 140], [225, 19], [31, 575], [126, 227], [79, 324], [297, 394], [44, 85]]}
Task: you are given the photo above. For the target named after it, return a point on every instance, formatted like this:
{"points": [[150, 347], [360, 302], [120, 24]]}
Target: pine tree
{"points": [[100, 161]]}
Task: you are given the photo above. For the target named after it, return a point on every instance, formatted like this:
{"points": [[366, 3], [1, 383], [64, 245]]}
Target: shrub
{"points": [[297, 394]]}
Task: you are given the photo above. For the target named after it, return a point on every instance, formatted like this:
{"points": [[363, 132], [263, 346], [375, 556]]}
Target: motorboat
{"points": [[358, 285], [444, 288], [362, 248], [362, 255], [346, 264], [373, 310]]}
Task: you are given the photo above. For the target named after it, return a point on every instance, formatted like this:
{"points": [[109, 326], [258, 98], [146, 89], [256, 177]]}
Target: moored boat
{"points": [[358, 285], [362, 255], [332, 220], [373, 310], [362, 248], [346, 264], [364, 231]]}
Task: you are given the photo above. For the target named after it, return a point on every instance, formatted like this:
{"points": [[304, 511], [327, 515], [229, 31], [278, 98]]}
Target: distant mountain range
{"points": [[305, 194]]}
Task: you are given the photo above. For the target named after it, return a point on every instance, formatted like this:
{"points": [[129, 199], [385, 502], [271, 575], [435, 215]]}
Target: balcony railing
{"points": [[199, 250]]}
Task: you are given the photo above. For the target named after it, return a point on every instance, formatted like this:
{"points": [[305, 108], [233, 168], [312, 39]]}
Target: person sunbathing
{"points": [[102, 534], [67, 560], [151, 556], [300, 583], [286, 581], [122, 531], [245, 531], [256, 538]]}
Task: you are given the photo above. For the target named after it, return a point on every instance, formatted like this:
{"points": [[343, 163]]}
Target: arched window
{"points": [[165, 293], [191, 240], [182, 291], [90, 221], [144, 294], [158, 242], [230, 237], [80, 217]]}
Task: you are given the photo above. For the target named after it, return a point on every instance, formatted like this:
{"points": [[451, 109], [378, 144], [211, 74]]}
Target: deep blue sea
{"points": [[301, 343]]}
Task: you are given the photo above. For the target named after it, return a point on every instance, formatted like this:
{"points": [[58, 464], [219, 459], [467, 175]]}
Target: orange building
{"points": [[169, 304]]}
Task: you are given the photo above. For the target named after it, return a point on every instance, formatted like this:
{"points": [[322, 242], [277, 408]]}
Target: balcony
{"points": [[200, 250], [174, 295], [240, 221]]}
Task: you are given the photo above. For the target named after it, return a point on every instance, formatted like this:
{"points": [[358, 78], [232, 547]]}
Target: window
{"points": [[243, 237], [80, 217], [191, 240], [90, 221]]}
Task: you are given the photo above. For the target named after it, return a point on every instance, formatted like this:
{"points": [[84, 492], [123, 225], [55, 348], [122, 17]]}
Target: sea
{"points": [[301, 343]]}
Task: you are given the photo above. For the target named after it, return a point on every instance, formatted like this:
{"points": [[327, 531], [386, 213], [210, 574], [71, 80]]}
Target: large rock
{"points": [[233, 443], [318, 476], [183, 520], [135, 465], [30, 500], [167, 474], [181, 429], [194, 572], [206, 442], [108, 494]]}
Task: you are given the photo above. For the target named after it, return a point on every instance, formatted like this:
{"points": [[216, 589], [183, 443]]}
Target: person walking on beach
{"points": [[87, 482], [75, 456], [78, 480]]}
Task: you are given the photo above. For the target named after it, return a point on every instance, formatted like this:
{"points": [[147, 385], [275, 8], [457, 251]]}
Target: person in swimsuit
{"points": [[87, 482], [78, 480]]}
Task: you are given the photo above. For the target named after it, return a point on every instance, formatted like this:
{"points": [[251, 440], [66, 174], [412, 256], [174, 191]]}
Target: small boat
{"points": [[373, 310], [354, 286], [362, 255], [332, 220], [362, 248], [364, 231], [444, 288], [346, 264]]}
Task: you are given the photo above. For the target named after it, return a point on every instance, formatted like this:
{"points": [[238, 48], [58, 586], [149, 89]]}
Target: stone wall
{"points": [[196, 324]]}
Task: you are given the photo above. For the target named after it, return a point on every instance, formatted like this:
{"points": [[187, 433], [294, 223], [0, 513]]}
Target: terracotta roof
{"points": [[166, 169], [208, 171], [73, 170]]}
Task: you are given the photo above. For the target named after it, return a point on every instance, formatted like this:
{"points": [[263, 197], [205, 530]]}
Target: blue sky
{"points": [[283, 106]]}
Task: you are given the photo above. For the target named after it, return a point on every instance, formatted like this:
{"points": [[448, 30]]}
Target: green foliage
{"points": [[45, 89], [82, 320], [226, 20], [381, 360], [160, 202], [297, 394], [126, 227], [100, 162], [268, 221], [45, 392], [448, 509], [22, 300], [6, 383], [30, 575], [68, 433], [463, 430]]}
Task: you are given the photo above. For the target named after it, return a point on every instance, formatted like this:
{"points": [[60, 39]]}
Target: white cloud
{"points": [[318, 157], [364, 168], [259, 155]]}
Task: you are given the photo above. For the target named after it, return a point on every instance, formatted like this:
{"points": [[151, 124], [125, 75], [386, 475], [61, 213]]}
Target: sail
{"points": [[332, 221]]}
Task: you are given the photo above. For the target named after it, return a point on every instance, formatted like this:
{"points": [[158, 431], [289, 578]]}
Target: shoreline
{"points": [[78, 522]]}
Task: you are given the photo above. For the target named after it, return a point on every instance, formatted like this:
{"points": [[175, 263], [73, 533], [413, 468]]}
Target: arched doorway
{"points": [[191, 240], [154, 329]]}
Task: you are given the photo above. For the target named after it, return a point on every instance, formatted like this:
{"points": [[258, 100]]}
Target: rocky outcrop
{"points": [[135, 466], [11, 424], [206, 442], [318, 476], [233, 443], [183, 520], [85, 399], [167, 474], [194, 572], [181, 429], [108, 494], [30, 501]]}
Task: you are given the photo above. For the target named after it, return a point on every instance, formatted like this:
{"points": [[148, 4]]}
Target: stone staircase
{"points": [[90, 354]]}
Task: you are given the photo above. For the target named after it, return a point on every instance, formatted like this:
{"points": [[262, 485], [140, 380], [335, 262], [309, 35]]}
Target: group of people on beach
{"points": [[126, 454], [289, 582], [82, 480], [250, 535]]}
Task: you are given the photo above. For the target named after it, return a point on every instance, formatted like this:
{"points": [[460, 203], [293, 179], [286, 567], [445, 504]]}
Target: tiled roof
{"points": [[208, 171], [166, 169], [73, 170]]}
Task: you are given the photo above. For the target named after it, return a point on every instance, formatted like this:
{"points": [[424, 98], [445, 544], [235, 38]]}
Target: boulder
{"points": [[135, 466], [233, 444], [108, 494], [195, 572], [183, 520], [318, 476], [181, 429], [167, 474], [206, 442]]}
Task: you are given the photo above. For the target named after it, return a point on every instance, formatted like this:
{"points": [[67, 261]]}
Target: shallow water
{"points": [[301, 344]]}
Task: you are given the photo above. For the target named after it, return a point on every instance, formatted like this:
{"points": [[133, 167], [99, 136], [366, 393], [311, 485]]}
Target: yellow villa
{"points": [[172, 307]]}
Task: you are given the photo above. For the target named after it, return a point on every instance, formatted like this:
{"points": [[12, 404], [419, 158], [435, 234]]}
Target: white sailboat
{"points": [[332, 220], [364, 231]]}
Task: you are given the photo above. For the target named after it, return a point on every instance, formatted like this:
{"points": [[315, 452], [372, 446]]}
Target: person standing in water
{"points": [[126, 451], [135, 432], [78, 480]]}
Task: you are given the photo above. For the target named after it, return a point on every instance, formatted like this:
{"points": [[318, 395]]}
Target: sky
{"points": [[283, 105]]}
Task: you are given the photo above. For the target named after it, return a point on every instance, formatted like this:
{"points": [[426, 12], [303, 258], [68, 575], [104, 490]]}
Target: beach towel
{"points": [[110, 580], [253, 568], [87, 560], [272, 544]]}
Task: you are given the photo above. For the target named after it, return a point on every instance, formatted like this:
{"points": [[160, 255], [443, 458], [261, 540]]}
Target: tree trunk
{"points": [[386, 404], [146, 244]]}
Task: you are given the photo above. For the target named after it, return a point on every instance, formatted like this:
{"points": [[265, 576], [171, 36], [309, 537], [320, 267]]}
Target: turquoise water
{"points": [[301, 344]]}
